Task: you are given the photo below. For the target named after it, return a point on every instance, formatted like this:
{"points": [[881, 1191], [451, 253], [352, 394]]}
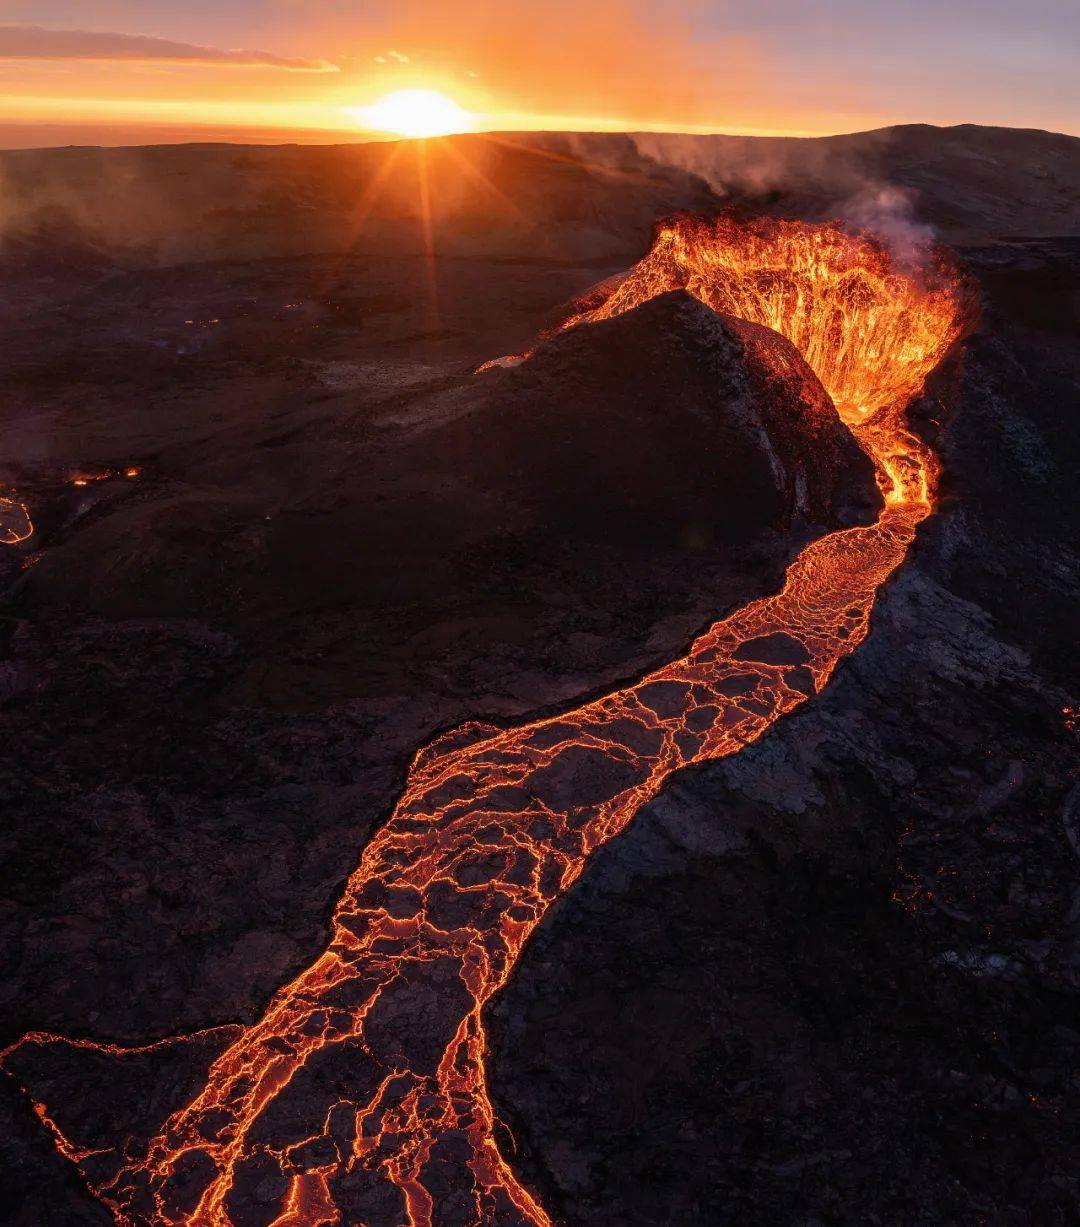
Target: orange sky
{"points": [[121, 70]]}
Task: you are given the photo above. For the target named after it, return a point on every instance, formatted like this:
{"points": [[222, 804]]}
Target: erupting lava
{"points": [[870, 332], [360, 1094]]}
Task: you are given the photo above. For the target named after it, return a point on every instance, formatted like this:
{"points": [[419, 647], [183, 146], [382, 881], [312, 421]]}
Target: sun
{"points": [[415, 112]]}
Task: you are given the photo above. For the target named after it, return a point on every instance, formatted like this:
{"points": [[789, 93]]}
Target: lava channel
{"points": [[359, 1097]]}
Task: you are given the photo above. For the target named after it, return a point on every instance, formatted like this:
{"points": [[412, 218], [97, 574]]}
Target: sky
{"points": [[133, 71]]}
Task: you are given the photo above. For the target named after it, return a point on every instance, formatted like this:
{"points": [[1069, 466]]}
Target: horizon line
{"points": [[189, 135]]}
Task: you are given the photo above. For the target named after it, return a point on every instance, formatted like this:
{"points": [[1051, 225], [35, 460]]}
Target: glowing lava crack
{"points": [[15, 523], [359, 1096]]}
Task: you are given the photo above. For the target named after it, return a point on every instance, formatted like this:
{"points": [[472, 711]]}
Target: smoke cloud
{"points": [[889, 213], [825, 178]]}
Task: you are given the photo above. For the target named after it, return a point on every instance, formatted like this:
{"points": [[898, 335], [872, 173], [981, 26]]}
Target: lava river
{"points": [[359, 1097]]}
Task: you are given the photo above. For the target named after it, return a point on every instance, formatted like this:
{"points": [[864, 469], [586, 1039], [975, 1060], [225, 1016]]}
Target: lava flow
{"points": [[15, 522], [359, 1097]]}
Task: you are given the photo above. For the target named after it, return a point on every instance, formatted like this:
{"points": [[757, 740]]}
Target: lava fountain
{"points": [[360, 1095]]}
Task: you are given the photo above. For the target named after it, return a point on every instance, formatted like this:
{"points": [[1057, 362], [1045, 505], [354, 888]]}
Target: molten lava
{"points": [[15, 522], [365, 1077]]}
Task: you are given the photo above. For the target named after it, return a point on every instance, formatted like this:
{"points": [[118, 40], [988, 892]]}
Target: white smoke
{"points": [[823, 178], [888, 213]]}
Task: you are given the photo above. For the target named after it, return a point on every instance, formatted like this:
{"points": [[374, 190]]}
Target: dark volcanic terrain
{"points": [[285, 534]]}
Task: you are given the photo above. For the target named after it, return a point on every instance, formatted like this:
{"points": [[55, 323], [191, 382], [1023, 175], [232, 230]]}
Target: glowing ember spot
{"points": [[494, 825], [15, 522]]}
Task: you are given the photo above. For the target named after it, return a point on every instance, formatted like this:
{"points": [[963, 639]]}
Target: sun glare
{"points": [[415, 112]]}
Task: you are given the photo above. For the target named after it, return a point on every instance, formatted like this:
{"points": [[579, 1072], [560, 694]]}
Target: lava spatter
{"points": [[360, 1095]]}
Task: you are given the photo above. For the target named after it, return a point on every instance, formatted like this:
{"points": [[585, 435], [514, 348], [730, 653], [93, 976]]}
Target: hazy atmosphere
{"points": [[130, 71]]}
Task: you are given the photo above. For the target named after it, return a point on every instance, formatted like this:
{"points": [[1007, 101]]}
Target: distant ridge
{"points": [[502, 193]]}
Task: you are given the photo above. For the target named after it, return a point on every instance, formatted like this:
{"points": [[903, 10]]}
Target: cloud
{"points": [[39, 43]]}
